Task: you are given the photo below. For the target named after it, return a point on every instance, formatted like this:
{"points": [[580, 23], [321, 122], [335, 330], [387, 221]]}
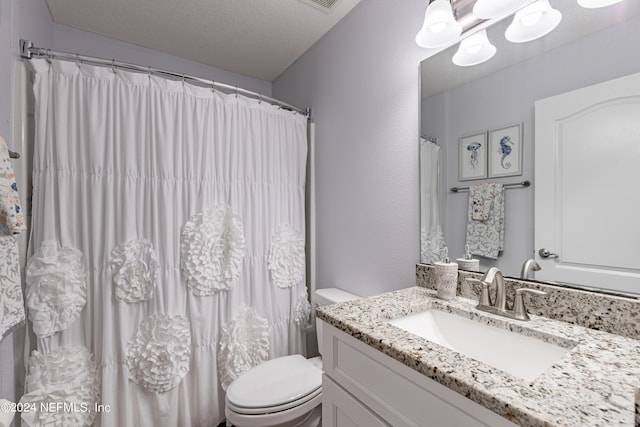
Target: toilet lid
{"points": [[274, 383]]}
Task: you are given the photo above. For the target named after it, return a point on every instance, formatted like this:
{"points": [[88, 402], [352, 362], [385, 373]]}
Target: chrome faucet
{"points": [[529, 266], [499, 305]]}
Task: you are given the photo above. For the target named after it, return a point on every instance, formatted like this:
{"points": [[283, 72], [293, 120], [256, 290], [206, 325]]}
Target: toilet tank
{"points": [[328, 296]]}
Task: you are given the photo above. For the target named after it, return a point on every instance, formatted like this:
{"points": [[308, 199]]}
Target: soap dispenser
{"points": [[467, 262], [446, 275]]}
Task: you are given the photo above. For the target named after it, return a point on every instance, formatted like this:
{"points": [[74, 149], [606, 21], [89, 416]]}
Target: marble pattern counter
{"points": [[593, 385], [615, 314]]}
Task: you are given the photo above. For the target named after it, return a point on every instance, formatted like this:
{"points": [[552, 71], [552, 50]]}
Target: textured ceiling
{"points": [[257, 38], [438, 73]]}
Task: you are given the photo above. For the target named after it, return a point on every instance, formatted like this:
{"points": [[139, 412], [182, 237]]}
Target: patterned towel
{"points": [[11, 218], [482, 201], [486, 237], [11, 301]]}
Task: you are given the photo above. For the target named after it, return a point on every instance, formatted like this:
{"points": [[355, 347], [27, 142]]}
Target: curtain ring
{"points": [[183, 79], [78, 62], [259, 98], [236, 92], [213, 86], [113, 66], [149, 71]]}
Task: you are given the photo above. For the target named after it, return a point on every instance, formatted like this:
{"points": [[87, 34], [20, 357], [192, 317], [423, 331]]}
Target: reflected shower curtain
{"points": [[431, 238], [168, 241]]}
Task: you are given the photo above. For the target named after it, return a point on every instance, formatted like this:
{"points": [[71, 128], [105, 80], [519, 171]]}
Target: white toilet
{"points": [[282, 392]]}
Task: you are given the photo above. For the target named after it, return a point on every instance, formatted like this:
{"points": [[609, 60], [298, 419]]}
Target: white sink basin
{"points": [[519, 355]]}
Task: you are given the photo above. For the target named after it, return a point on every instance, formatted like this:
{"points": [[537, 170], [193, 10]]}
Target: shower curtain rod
{"points": [[28, 51], [431, 139]]}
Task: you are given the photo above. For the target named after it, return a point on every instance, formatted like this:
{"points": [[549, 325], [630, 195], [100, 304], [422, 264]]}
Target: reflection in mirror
{"points": [[431, 237], [590, 46], [584, 218]]}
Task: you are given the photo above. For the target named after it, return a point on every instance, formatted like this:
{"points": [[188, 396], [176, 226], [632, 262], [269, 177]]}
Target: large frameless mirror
{"points": [[464, 105]]}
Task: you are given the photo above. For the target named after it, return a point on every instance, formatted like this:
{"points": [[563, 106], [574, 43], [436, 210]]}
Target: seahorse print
{"points": [[505, 151]]}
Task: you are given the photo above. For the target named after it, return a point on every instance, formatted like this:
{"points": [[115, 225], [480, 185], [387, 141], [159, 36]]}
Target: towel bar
{"points": [[526, 183]]}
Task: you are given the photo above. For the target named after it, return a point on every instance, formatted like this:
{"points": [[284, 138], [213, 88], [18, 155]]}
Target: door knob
{"points": [[545, 253]]}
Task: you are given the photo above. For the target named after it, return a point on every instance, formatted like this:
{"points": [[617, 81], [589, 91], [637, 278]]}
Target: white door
{"points": [[587, 185]]}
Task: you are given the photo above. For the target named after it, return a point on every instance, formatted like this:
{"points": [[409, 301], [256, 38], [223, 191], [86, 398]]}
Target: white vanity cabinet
{"points": [[365, 387]]}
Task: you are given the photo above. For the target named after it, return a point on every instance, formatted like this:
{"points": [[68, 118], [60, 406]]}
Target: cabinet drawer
{"points": [[398, 394], [340, 409]]}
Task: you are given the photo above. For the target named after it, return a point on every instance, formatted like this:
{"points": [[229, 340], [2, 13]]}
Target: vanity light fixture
{"points": [[488, 9], [446, 20], [440, 26], [532, 22], [474, 50], [592, 4]]}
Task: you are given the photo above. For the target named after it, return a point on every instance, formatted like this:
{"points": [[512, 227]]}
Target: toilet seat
{"points": [[305, 414], [276, 408], [274, 386]]}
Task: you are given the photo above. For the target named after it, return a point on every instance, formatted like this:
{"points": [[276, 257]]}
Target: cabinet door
{"points": [[340, 409], [395, 393]]}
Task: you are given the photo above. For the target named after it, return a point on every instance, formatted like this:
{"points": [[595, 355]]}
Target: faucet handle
{"points": [[484, 295], [519, 310]]}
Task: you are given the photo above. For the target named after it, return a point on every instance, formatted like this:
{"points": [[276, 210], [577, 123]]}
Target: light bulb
{"points": [[474, 50], [592, 4], [532, 22], [437, 27], [531, 18], [440, 26]]}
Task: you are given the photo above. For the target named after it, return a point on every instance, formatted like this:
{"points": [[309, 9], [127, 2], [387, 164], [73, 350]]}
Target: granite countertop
{"points": [[592, 385]]}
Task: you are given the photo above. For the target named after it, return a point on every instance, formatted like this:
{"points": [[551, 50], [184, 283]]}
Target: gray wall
{"points": [[18, 18], [69, 39], [507, 97], [361, 80]]}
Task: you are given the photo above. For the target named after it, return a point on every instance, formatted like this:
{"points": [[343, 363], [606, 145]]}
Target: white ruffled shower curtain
{"points": [[431, 237], [177, 213]]}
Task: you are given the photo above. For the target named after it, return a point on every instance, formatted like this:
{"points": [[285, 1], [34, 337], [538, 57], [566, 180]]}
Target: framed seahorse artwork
{"points": [[505, 151], [472, 154]]}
